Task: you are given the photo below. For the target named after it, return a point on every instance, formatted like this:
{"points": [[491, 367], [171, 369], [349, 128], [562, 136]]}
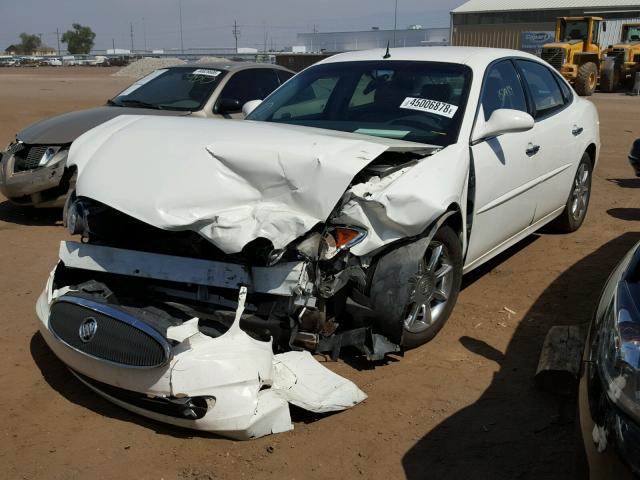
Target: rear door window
{"points": [[545, 91]]}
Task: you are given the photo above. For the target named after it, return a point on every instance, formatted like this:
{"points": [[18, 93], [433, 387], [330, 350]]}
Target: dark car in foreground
{"points": [[610, 383], [33, 167], [634, 157]]}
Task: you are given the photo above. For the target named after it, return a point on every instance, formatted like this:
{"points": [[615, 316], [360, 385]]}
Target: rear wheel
{"points": [[578, 202], [433, 289], [587, 79]]}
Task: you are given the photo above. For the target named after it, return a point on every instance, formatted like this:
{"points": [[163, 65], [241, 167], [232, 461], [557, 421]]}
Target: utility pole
{"points": [[131, 27], [264, 28], [236, 33], [144, 33], [181, 40], [395, 23], [113, 44], [58, 37]]}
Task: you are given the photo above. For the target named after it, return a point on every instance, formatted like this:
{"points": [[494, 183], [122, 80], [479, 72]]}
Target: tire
{"points": [[436, 287], [577, 204], [608, 80], [587, 79]]}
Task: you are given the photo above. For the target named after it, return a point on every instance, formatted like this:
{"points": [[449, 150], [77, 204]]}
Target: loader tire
{"points": [[608, 80], [587, 79]]}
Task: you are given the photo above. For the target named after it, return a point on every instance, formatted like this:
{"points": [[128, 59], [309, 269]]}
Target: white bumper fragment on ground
{"points": [[247, 388]]}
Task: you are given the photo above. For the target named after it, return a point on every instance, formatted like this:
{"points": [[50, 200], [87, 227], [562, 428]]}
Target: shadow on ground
{"points": [[514, 430], [629, 214], [30, 216], [60, 379], [626, 182]]}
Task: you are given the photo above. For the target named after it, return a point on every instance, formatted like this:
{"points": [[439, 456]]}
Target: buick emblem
{"points": [[88, 329]]}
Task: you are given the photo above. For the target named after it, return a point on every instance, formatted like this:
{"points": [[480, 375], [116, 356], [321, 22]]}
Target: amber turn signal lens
{"points": [[344, 236]]}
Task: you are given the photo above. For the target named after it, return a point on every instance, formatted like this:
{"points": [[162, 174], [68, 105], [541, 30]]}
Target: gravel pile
{"points": [[144, 66], [213, 60]]}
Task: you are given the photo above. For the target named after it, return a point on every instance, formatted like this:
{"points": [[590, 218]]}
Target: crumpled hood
{"points": [[231, 181], [65, 128]]}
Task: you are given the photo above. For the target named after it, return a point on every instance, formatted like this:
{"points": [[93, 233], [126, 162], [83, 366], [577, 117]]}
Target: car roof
{"points": [[472, 56], [231, 66]]}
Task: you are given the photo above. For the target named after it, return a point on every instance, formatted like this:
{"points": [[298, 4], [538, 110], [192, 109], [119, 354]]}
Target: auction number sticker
{"points": [[443, 109], [206, 72]]}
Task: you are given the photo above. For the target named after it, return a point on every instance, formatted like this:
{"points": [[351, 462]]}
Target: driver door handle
{"points": [[577, 130], [532, 149]]}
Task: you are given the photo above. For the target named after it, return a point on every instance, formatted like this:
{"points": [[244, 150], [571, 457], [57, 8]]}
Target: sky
{"points": [[209, 23]]}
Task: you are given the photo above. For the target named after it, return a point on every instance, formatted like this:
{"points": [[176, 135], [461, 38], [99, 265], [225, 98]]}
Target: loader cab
{"points": [[631, 33], [574, 30]]}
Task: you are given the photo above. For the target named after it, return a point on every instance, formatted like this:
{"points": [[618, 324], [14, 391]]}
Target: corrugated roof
{"points": [[510, 5]]}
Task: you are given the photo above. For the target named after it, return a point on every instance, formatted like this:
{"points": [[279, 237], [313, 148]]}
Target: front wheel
{"points": [[433, 289], [577, 204], [587, 79]]}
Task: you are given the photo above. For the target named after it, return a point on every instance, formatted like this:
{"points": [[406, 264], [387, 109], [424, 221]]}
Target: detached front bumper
{"points": [[36, 187], [232, 384]]}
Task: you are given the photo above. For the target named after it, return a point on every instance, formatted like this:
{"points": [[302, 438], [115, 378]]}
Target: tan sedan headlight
{"points": [[53, 154]]}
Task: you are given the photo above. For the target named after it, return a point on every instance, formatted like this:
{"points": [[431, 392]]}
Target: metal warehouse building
{"points": [[527, 25], [374, 38]]}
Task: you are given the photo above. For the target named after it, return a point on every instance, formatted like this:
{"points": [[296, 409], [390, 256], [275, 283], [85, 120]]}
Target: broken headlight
{"points": [[619, 353], [337, 239]]}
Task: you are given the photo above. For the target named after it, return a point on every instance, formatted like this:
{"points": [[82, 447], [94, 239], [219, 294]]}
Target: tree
{"points": [[28, 43], [79, 40]]}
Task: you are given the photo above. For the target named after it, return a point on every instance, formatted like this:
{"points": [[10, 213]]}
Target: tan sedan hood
{"points": [[65, 128]]}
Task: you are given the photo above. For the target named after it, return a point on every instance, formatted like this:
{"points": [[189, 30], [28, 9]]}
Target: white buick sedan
{"points": [[343, 212]]}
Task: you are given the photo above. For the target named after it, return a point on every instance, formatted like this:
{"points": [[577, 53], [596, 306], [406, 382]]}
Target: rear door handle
{"points": [[577, 131], [532, 149]]}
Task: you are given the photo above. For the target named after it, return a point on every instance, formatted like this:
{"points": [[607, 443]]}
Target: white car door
{"points": [[504, 204], [555, 135]]}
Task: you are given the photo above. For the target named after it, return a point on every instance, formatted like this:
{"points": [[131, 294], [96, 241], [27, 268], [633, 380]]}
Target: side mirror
{"points": [[604, 26], [501, 121], [250, 106], [228, 105]]}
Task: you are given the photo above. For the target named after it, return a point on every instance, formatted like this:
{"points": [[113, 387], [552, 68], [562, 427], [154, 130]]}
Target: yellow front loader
{"points": [[576, 51], [622, 60]]}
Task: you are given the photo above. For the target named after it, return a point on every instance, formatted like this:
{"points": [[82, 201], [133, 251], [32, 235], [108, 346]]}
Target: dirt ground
{"points": [[462, 406]]}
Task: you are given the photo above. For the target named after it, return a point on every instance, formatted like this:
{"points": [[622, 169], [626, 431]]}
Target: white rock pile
{"points": [[213, 60], [146, 65]]}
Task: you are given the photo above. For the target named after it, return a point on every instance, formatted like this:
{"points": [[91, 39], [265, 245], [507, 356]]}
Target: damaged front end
{"points": [[199, 305]]}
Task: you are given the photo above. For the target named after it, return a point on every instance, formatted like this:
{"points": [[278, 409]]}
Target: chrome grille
{"points": [[29, 157], [553, 56], [117, 337]]}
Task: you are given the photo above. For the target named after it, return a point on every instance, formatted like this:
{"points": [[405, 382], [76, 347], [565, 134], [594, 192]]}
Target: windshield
{"points": [[574, 30], [177, 88], [631, 33], [415, 101]]}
